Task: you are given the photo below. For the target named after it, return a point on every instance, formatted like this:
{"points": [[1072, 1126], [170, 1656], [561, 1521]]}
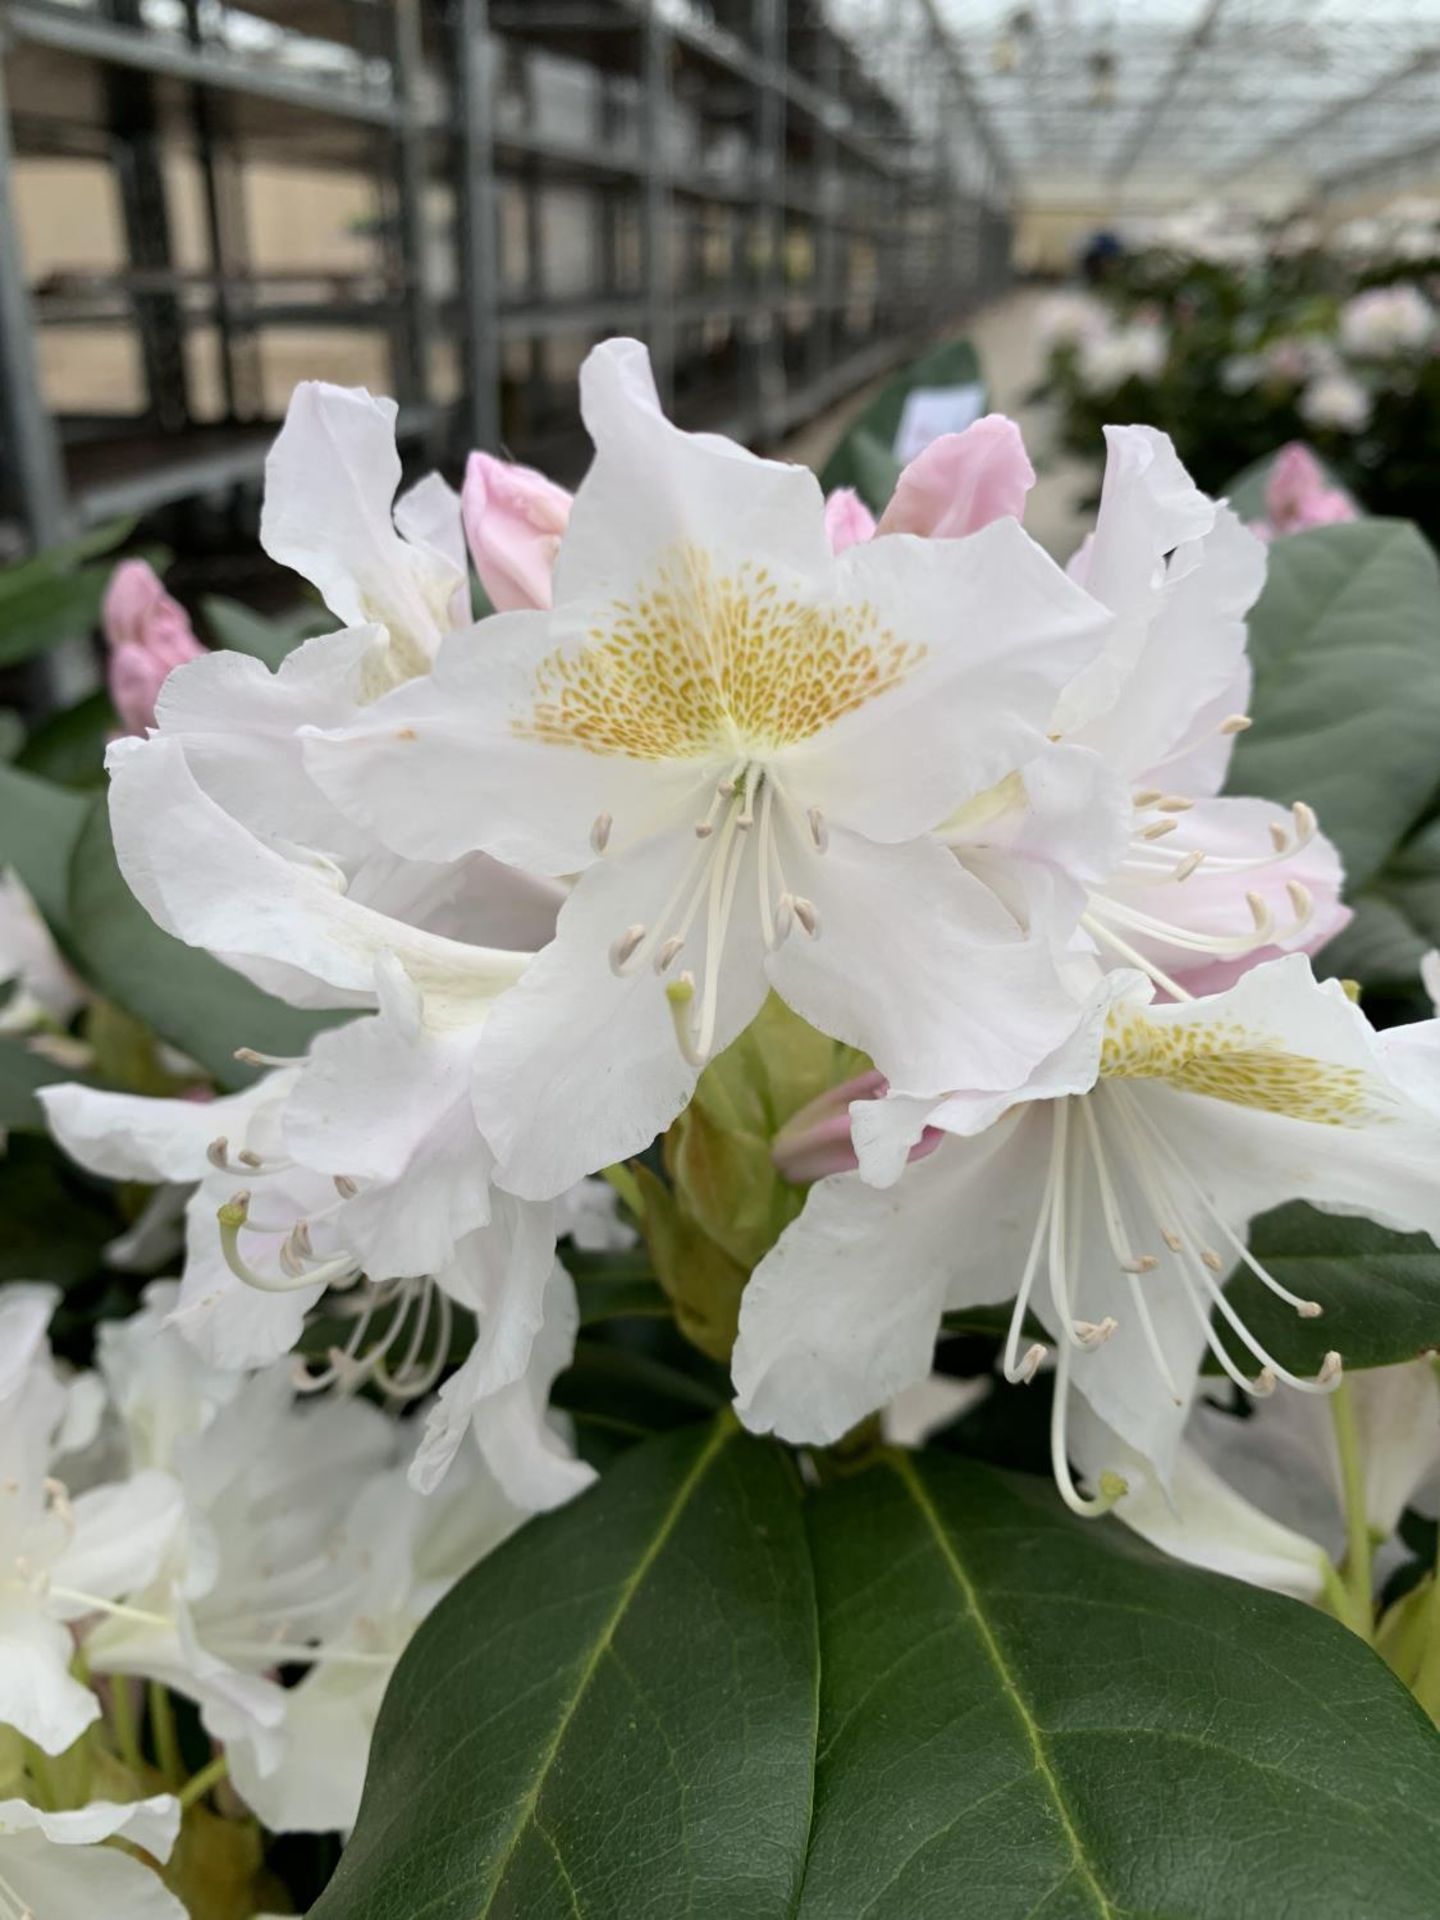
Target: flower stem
{"points": [[199, 1785], [37, 1765], [165, 1737], [122, 1721], [1358, 1579]]}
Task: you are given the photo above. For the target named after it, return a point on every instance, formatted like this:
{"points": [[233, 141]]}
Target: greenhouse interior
{"points": [[965, 1438]]}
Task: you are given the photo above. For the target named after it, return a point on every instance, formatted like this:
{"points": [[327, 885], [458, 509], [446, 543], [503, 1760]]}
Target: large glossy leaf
{"points": [[189, 999], [1024, 1715], [21, 1073], [1380, 1291], [234, 625], [1397, 918], [614, 1715], [39, 825], [1345, 641]]}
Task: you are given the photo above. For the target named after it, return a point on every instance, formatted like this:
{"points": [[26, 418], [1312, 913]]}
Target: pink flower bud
{"points": [[815, 1141], [962, 481], [848, 520], [1297, 494], [148, 635], [514, 519]]}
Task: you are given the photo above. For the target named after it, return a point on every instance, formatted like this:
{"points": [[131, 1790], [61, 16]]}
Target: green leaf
{"points": [[1380, 1291], [39, 825], [613, 1715], [47, 609], [1397, 918], [1345, 642], [56, 1222], [188, 998], [232, 624], [615, 1285], [21, 1072], [70, 747], [1026, 1714]]}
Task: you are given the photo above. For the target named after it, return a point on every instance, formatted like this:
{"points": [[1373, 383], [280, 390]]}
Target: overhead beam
{"points": [[1379, 164], [1334, 110], [1194, 42]]}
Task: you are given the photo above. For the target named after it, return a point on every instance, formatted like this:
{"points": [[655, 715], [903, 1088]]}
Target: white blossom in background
{"points": [[59, 1866], [1386, 321], [1335, 401], [1136, 350]]}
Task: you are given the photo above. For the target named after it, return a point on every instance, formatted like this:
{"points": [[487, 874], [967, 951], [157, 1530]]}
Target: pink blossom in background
{"points": [[963, 481], [1298, 495], [848, 520], [148, 635], [816, 1140], [514, 520]]}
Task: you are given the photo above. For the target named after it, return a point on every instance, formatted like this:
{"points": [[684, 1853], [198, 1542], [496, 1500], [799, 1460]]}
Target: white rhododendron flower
{"points": [[60, 1558], [1122, 813], [1384, 321], [740, 741], [1111, 1200], [37, 988], [59, 1866], [1335, 400], [1263, 1498]]}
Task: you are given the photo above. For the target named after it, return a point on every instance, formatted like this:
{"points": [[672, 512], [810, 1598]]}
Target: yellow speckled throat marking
{"points": [[707, 662], [1225, 1062]]}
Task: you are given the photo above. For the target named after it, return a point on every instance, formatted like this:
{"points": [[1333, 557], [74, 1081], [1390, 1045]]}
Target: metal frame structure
{"points": [[778, 223]]}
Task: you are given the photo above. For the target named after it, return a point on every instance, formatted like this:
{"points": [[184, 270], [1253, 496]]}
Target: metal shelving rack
{"points": [[776, 223]]}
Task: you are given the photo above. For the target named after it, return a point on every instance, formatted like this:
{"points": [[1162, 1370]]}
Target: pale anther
{"points": [[807, 916], [1237, 723], [1147, 796], [248, 1157], [1330, 1370], [345, 1186], [218, 1153], [1279, 838], [623, 949], [668, 952], [1188, 865], [1260, 913], [1158, 829], [1309, 1309], [1174, 803], [1212, 1260], [600, 832], [1029, 1364], [819, 832]]}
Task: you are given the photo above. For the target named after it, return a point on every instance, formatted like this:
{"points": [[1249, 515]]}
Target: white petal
{"points": [[1183, 679], [577, 1068], [123, 1534], [153, 1824], [239, 724], [387, 1101], [330, 482], [204, 878], [1202, 1519], [841, 1315], [25, 1312], [653, 489], [427, 516], [450, 763], [229, 1324], [38, 1697], [316, 1785], [128, 1136], [1003, 631], [528, 1320], [918, 964]]}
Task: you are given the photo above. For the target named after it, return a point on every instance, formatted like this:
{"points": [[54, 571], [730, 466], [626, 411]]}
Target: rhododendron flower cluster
{"points": [[882, 868]]}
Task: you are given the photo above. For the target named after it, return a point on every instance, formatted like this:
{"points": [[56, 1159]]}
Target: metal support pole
{"points": [[411, 176], [655, 211], [479, 229], [769, 324], [32, 442], [135, 146]]}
